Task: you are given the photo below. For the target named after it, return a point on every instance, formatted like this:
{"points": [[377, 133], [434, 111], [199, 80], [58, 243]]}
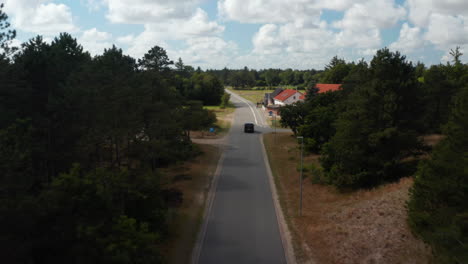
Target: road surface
{"points": [[242, 226]]}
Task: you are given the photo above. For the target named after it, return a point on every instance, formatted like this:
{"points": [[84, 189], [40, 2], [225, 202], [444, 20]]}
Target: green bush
{"points": [[225, 100]]}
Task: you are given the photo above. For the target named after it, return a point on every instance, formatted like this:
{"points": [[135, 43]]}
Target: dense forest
{"points": [[82, 141], [372, 131], [247, 78]]}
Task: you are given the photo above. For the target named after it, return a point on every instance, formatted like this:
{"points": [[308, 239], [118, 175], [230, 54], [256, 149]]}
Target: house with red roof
{"points": [[327, 87], [287, 97], [323, 88]]}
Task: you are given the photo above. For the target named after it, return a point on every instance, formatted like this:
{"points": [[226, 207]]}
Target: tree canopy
{"points": [[82, 142]]}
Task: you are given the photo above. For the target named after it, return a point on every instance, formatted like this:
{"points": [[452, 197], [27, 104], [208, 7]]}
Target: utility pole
{"points": [[300, 179], [274, 124]]}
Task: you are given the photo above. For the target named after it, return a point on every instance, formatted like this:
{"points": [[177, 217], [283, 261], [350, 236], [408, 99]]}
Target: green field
{"points": [[255, 96]]}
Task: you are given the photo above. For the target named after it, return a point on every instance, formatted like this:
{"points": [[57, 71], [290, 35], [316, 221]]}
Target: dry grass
{"points": [[367, 226], [192, 178]]}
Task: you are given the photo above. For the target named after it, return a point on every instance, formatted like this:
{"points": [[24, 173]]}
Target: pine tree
{"points": [[376, 128], [438, 208]]}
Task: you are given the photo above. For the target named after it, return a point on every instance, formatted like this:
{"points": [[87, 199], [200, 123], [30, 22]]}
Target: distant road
{"points": [[242, 226]]}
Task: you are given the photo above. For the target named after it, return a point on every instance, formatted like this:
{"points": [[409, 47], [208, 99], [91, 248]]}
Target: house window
{"points": [[294, 97]]}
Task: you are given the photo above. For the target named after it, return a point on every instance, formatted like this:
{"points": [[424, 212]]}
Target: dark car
{"points": [[249, 128]]}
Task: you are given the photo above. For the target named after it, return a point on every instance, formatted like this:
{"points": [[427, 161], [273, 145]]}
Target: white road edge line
{"points": [[247, 102], [282, 225], [209, 204]]}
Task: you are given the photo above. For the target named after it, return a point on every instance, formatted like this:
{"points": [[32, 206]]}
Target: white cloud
{"points": [[361, 24], [446, 31], [148, 11], [144, 42], [40, 17], [127, 40], [445, 23], [373, 13], [410, 39], [294, 29], [177, 20], [95, 41], [266, 40], [93, 5], [269, 11], [208, 52], [420, 11], [198, 25]]}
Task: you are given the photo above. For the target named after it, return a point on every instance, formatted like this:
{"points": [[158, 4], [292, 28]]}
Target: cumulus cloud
{"points": [[446, 31], [266, 40], [420, 11], [269, 11], [293, 33], [93, 5], [198, 25], [445, 23], [208, 52], [361, 23], [410, 39], [164, 21], [126, 40], [40, 17], [148, 11], [95, 41]]}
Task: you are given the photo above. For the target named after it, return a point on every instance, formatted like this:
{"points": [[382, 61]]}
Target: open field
{"points": [[367, 226], [254, 96], [193, 179]]}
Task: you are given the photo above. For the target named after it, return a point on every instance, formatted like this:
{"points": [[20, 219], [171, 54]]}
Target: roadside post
{"points": [[274, 125], [300, 179]]}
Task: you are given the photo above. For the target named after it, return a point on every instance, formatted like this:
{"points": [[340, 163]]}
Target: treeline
{"points": [[247, 78], [250, 78], [371, 132], [81, 142]]}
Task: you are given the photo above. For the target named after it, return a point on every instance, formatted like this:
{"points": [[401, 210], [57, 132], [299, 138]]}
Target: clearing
{"points": [[254, 96]]}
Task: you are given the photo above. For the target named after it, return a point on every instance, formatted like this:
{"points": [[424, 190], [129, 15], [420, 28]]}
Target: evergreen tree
{"points": [[438, 210], [378, 127], [6, 34]]}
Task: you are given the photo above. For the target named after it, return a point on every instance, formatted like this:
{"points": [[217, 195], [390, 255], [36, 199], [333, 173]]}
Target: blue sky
{"points": [[300, 34]]}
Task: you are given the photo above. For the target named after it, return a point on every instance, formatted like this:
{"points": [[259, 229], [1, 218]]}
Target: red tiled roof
{"points": [[325, 87], [285, 95], [302, 97]]}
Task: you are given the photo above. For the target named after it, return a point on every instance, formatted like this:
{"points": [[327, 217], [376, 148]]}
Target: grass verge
{"points": [[192, 178], [367, 226], [223, 124]]}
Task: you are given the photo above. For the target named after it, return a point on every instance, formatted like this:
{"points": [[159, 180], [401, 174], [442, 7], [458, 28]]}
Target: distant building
{"points": [[287, 97], [268, 99], [327, 87], [323, 88]]}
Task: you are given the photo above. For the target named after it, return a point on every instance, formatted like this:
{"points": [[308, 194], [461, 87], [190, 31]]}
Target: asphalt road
{"points": [[242, 225]]}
